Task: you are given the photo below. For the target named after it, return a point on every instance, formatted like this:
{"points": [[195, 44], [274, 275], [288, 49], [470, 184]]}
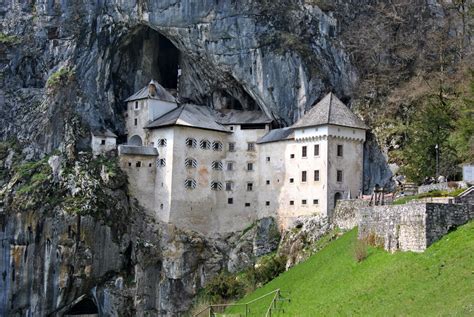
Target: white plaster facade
{"points": [[103, 142], [244, 173]]}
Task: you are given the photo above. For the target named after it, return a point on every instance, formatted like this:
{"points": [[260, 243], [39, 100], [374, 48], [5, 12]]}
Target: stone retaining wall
{"points": [[346, 213], [411, 227]]}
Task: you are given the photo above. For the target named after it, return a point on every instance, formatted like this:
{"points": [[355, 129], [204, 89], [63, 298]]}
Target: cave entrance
{"points": [[85, 307], [168, 63], [142, 55]]}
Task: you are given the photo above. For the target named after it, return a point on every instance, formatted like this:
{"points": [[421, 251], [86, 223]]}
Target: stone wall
{"points": [[440, 186], [442, 218], [397, 227], [347, 212], [411, 227]]}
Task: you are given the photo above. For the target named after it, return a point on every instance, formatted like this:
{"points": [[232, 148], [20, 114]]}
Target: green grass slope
{"points": [[438, 282]]}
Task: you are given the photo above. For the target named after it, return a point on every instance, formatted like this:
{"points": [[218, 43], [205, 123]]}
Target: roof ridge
{"points": [[329, 108]]}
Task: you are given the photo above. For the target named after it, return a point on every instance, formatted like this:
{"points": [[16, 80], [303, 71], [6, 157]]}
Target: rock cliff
{"points": [[65, 66]]}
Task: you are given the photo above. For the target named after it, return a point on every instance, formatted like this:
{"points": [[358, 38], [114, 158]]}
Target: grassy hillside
{"points": [[437, 282]]}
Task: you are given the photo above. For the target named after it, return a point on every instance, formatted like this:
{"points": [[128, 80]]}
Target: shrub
{"points": [[8, 39], [266, 269], [360, 250], [224, 287], [56, 78]]}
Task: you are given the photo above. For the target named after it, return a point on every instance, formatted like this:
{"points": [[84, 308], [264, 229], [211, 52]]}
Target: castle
{"points": [[217, 171]]}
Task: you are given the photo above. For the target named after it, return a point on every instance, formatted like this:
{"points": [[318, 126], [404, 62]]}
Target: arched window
{"points": [[217, 165], [161, 142], [135, 140], [190, 163], [205, 144], [190, 183], [191, 143], [216, 185], [217, 146]]}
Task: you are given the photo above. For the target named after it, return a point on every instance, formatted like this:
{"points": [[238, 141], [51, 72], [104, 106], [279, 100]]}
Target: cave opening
{"points": [[84, 307], [142, 55]]}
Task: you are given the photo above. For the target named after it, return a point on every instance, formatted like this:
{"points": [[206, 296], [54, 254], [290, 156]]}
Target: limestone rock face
{"points": [[75, 235], [84, 58]]}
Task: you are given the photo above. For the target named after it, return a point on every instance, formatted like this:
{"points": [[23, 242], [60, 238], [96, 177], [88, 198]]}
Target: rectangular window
{"points": [[250, 146], [304, 151], [249, 187], [303, 202], [268, 182], [230, 166], [315, 202], [292, 156], [339, 150], [230, 201], [136, 104], [339, 176], [247, 204], [292, 202], [102, 142], [303, 176], [268, 158], [316, 175], [138, 164], [232, 147], [316, 150], [228, 186], [267, 203], [249, 166], [136, 121]]}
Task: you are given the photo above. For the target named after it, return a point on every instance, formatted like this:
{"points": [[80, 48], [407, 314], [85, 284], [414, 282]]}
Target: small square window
{"points": [[292, 202], [304, 151], [316, 150], [339, 176], [232, 147], [339, 150], [102, 142], [268, 182], [249, 187], [149, 164], [231, 128], [230, 201], [138, 164], [292, 156], [250, 146], [268, 158], [315, 202], [303, 176], [129, 163], [249, 166], [292, 180], [303, 202], [247, 204], [267, 203]]}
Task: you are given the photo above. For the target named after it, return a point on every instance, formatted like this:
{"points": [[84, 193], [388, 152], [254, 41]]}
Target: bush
{"points": [[224, 287], [360, 250], [266, 269], [62, 75]]}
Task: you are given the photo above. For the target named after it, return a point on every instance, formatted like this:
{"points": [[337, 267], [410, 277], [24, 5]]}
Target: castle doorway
{"points": [[337, 197]]}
